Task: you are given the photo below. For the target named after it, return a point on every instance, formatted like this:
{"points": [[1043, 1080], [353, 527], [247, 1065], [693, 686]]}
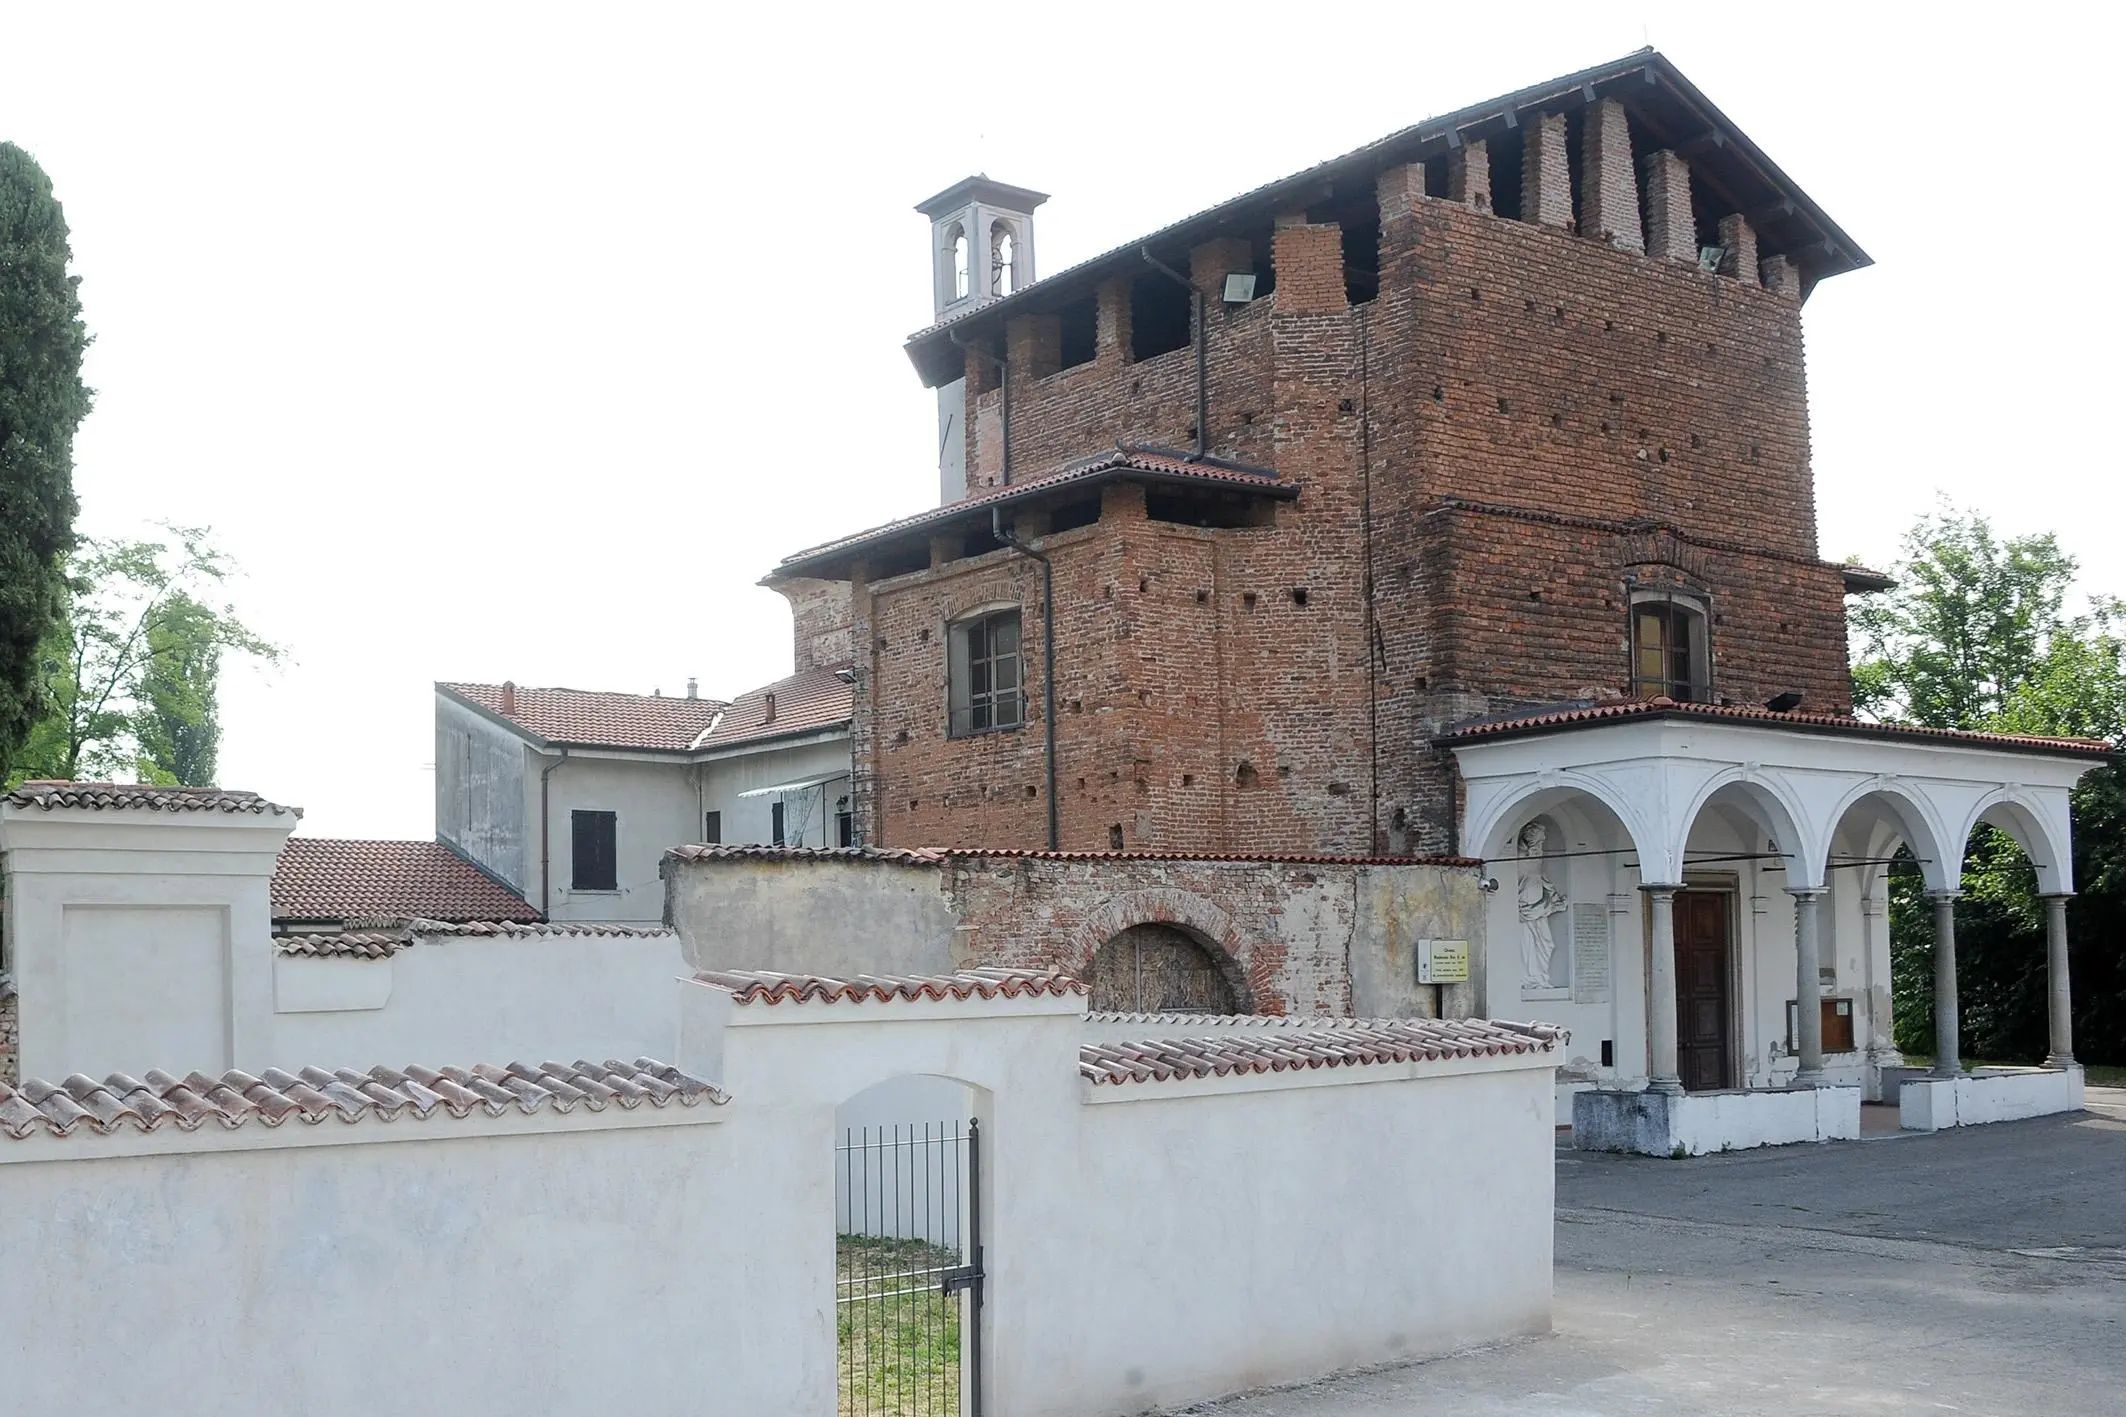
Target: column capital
{"points": [[2056, 895], [1939, 896], [1807, 892], [1658, 888]]}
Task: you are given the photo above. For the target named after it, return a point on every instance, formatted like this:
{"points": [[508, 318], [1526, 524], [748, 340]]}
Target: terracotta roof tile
{"points": [[1153, 463], [939, 855], [807, 702], [365, 939], [1577, 715], [1361, 1042], [341, 878], [347, 944], [119, 796], [759, 986], [592, 719], [314, 1096]]}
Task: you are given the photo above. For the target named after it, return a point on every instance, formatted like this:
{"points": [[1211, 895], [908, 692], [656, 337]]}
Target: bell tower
{"points": [[981, 248]]}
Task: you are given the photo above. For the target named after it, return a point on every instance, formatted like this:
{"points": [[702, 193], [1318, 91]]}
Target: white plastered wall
{"points": [[510, 998], [141, 939], [808, 815]]}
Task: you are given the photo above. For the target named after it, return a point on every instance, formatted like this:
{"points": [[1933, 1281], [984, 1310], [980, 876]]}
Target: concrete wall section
{"points": [[1313, 938], [1990, 1095]]}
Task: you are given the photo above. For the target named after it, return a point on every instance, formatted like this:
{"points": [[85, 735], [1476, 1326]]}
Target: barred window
{"points": [[986, 687], [1669, 652]]}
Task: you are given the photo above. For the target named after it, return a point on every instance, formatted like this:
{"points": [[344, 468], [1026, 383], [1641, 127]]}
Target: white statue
{"points": [[1539, 901]]}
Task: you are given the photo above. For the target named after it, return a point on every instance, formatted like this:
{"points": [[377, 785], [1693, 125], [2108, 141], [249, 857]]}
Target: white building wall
{"points": [[808, 815], [657, 804], [480, 804]]}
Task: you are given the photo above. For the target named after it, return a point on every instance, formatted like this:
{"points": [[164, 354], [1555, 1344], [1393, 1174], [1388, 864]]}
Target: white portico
{"points": [[1698, 893]]}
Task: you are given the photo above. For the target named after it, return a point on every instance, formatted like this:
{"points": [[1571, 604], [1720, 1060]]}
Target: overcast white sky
{"points": [[520, 341]]}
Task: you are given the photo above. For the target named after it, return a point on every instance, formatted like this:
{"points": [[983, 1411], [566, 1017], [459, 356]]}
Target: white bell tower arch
{"points": [[981, 248]]}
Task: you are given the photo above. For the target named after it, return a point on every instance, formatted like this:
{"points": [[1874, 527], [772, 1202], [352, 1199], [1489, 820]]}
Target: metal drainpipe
{"points": [[1203, 374], [1003, 393], [1048, 658], [546, 835]]}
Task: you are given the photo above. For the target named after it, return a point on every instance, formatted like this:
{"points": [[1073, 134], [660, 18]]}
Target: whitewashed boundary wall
{"points": [[1164, 1222], [425, 990]]}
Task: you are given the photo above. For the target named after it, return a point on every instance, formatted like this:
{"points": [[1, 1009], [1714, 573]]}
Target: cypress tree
{"points": [[42, 402]]}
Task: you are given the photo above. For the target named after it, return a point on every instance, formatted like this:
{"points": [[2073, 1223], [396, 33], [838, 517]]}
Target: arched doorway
{"points": [[1160, 968]]}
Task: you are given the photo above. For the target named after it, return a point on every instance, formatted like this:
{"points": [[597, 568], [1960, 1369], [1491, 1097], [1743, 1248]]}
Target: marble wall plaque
{"points": [[1590, 952]]}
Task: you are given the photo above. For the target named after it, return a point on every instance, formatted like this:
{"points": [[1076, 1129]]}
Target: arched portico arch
{"points": [[1917, 821], [2045, 841], [1492, 826], [1768, 803]]}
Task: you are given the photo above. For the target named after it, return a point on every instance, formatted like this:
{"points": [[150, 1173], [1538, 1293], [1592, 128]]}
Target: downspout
{"points": [[1203, 373], [1003, 392], [1048, 658], [546, 834]]}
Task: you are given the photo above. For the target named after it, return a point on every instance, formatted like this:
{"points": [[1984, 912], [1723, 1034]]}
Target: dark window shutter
{"points": [[712, 829], [594, 846], [776, 815]]}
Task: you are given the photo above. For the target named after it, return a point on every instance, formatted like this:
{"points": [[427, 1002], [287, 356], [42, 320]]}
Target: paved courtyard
{"points": [[1980, 1271]]}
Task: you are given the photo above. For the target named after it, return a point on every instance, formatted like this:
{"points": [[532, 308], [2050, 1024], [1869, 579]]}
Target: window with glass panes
{"points": [[986, 686], [1668, 651]]}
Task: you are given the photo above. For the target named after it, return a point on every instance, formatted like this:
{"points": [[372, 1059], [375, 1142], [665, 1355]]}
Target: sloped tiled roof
{"points": [[594, 719], [314, 1096], [344, 878], [1122, 463], [1578, 715], [809, 701], [759, 986], [1366, 1041], [120, 796]]}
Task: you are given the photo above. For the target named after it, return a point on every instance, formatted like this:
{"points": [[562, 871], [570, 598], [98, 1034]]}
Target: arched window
{"points": [[957, 246], [1671, 653], [1003, 252]]}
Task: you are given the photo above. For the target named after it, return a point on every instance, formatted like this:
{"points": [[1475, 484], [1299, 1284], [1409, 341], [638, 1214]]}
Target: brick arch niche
{"points": [[1163, 951]]}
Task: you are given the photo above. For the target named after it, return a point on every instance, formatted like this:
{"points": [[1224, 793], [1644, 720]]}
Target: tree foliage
{"points": [[1977, 635], [42, 402], [130, 674]]}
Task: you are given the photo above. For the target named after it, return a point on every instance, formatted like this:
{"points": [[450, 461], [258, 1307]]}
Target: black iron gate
{"points": [[908, 1269]]}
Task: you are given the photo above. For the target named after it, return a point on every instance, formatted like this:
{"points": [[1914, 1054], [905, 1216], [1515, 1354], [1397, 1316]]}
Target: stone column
{"points": [[1661, 989], [1808, 985], [1947, 1061], [2060, 998]]}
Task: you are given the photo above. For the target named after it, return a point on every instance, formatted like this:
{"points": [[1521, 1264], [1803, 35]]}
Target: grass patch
{"points": [[899, 1337]]}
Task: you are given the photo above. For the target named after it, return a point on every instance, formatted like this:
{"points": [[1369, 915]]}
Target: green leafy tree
{"points": [[130, 674], [42, 402], [1977, 636], [178, 724]]}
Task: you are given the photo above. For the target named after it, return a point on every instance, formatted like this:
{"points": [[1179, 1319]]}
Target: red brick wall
{"points": [[819, 622], [1511, 418]]}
